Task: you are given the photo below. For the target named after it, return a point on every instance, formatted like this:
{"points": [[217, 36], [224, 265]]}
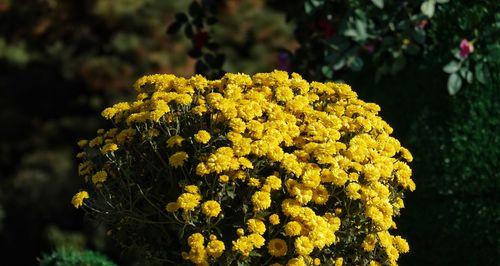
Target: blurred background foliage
{"points": [[75, 258], [432, 65]]}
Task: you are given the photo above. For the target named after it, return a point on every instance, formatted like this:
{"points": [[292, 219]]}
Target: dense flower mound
{"points": [[261, 170]]}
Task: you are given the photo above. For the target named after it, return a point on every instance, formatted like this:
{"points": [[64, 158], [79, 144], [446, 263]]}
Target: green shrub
{"points": [[457, 169], [75, 258]]}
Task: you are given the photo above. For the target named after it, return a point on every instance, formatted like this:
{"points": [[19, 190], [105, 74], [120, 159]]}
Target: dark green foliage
{"points": [[61, 62], [455, 209], [75, 258], [233, 36], [454, 216], [204, 48]]}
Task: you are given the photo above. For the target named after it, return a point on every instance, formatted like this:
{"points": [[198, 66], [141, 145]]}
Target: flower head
{"points": [[466, 48], [261, 200], [277, 247], [211, 208], [99, 177], [202, 136], [188, 201], [78, 198], [178, 159]]}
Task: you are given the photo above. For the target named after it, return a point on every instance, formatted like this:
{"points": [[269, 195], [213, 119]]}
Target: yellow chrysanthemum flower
{"points": [[223, 178], [211, 208], [277, 247], [99, 177], [303, 245], [188, 201], [274, 219], [256, 226], [78, 198], [178, 159], [202, 136], [261, 200], [215, 248]]}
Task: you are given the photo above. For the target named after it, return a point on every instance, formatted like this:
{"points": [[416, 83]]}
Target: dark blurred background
{"points": [[433, 67]]}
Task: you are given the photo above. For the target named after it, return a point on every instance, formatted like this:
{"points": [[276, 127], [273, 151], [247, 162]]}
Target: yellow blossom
{"points": [[109, 147], [211, 208], [261, 200], [303, 245], [223, 178], [202, 136], [99, 177], [78, 198], [188, 201], [256, 226], [192, 189], [174, 141], [82, 143], [172, 206], [273, 182], [215, 248], [274, 219], [277, 247], [293, 228], [178, 159]]}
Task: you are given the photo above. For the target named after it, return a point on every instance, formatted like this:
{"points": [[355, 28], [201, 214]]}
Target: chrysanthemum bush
{"points": [[262, 170]]}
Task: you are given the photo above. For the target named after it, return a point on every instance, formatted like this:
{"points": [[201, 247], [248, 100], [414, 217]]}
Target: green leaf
{"points": [[317, 3], [231, 194], [469, 76], [463, 71], [480, 73], [356, 63], [378, 3], [454, 83], [442, 1], [419, 35], [428, 7], [451, 67], [361, 33], [494, 51], [308, 7], [339, 64], [253, 253], [327, 71]]}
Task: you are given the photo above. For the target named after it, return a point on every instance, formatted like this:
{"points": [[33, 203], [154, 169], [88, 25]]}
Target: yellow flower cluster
{"points": [[283, 156]]}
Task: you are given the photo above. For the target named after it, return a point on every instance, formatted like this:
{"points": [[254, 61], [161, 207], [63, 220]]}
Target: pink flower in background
{"points": [[466, 48]]}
